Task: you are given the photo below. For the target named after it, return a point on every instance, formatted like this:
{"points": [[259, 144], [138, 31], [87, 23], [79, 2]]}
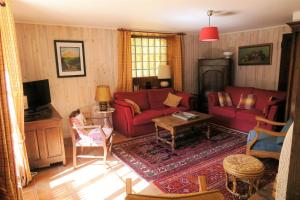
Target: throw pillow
{"points": [[172, 100], [78, 120], [224, 99], [135, 107], [247, 101]]}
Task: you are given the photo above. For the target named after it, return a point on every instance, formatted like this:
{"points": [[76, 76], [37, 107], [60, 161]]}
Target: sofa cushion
{"points": [[172, 100], [140, 98], [264, 143], [146, 117], [135, 107], [235, 93], [263, 96], [157, 96], [224, 111], [248, 115], [247, 101], [224, 99]]}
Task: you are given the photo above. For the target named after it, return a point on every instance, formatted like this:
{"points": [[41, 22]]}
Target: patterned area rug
{"points": [[195, 155]]}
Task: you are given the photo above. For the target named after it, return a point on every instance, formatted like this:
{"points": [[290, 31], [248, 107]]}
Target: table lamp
{"points": [[103, 96], [164, 74]]}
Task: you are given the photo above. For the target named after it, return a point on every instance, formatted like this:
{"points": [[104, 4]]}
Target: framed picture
{"points": [[255, 54], [69, 58]]}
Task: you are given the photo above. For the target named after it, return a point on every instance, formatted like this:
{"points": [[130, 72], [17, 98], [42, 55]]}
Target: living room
{"points": [[233, 68]]}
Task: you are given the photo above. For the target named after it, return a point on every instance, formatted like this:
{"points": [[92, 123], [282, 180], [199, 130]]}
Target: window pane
{"points": [[138, 42], [132, 41], [145, 57], [157, 57], [152, 72], [163, 42], [133, 65], [163, 49], [157, 49], [138, 57], [138, 49], [163, 57], [145, 49], [151, 42], [145, 42], [139, 73], [157, 42], [151, 49], [151, 57], [145, 65], [139, 65], [133, 73], [133, 58], [146, 72]]}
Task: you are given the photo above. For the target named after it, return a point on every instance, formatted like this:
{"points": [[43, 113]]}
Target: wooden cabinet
{"points": [[213, 75], [44, 140]]}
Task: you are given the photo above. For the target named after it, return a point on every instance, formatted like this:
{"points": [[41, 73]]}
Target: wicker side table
{"points": [[244, 168]]}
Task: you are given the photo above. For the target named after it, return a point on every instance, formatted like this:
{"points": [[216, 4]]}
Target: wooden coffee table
{"points": [[174, 125]]}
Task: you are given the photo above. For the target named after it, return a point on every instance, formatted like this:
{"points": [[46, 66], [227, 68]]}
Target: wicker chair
{"points": [[203, 194], [88, 135]]}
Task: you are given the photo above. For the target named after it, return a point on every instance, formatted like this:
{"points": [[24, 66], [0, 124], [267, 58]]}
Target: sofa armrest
{"points": [[186, 97], [213, 99], [123, 107]]}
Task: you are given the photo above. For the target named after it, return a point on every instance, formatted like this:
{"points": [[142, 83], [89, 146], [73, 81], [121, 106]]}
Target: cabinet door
{"points": [[32, 146], [53, 141]]}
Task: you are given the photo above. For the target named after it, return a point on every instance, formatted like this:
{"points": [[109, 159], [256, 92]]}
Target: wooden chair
{"points": [[265, 143], [203, 194], [88, 135]]}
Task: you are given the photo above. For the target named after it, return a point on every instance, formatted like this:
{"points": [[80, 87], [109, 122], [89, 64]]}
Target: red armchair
{"points": [[151, 104]]}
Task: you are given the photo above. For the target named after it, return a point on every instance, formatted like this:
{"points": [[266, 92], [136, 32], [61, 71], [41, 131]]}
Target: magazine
{"points": [[185, 115]]}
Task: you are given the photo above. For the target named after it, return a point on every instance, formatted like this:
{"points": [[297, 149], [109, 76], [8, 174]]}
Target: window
{"points": [[147, 54]]}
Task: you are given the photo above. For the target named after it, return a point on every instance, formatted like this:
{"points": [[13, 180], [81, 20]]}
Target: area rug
{"points": [[177, 172]]}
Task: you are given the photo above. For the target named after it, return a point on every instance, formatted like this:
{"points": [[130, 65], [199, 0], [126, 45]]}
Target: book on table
{"points": [[185, 115]]}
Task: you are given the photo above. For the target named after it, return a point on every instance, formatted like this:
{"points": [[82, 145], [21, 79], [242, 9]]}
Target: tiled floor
{"points": [[93, 179]]}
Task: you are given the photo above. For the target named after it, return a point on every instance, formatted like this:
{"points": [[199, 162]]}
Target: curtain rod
{"points": [[124, 29]]}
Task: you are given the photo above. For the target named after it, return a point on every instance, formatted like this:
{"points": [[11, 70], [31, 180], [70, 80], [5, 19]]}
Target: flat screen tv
{"points": [[38, 94]]}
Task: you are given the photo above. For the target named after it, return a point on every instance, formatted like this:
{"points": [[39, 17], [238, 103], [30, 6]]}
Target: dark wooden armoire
{"points": [[213, 75]]}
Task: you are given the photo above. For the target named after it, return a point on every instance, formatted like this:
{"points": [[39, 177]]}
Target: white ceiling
{"points": [[157, 15]]}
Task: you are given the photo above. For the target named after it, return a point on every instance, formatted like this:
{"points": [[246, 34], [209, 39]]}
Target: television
{"points": [[38, 94]]}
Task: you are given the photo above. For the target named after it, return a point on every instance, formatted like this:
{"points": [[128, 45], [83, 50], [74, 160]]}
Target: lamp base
{"points": [[103, 106]]}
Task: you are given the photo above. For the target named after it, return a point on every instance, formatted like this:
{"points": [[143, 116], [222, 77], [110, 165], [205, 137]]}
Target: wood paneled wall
{"points": [[260, 76], [193, 50], [37, 57]]}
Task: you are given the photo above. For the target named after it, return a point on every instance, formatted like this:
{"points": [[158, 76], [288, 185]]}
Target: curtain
{"points": [[14, 91], [8, 182], [124, 61], [175, 60]]}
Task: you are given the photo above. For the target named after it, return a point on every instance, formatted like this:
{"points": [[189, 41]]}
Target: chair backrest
{"points": [[73, 131], [201, 195]]}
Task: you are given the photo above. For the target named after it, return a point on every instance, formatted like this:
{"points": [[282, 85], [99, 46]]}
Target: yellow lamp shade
{"points": [[164, 72], [103, 93]]}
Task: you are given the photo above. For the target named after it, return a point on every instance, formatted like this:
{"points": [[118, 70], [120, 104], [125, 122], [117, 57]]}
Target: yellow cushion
{"points": [[247, 101], [135, 107], [172, 100]]}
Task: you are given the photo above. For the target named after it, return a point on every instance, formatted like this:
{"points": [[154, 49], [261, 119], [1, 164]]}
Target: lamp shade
{"points": [[209, 33], [164, 72], [103, 93]]}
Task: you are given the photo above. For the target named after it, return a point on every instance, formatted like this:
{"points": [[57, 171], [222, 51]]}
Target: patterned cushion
{"points": [[224, 99], [264, 143], [172, 100], [135, 107], [247, 101]]}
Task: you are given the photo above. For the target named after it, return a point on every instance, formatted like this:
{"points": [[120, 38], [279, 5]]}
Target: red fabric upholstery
{"points": [[146, 117], [235, 93], [248, 115], [242, 119], [131, 125], [224, 111], [158, 96], [140, 98]]}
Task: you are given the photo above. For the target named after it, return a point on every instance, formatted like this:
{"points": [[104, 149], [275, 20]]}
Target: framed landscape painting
{"points": [[69, 58], [255, 54]]}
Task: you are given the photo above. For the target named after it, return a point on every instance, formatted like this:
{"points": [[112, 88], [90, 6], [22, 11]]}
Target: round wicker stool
{"points": [[244, 168]]}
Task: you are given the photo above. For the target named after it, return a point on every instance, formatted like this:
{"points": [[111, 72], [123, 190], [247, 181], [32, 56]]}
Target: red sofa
{"points": [[151, 104], [242, 119]]}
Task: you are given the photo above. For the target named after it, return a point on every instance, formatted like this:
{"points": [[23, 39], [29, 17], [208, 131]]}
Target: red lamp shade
{"points": [[208, 34]]}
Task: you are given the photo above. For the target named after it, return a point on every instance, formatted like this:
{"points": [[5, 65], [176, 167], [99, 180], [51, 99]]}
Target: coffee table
{"points": [[175, 125]]}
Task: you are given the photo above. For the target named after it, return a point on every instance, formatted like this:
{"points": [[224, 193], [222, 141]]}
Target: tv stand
{"points": [[44, 139]]}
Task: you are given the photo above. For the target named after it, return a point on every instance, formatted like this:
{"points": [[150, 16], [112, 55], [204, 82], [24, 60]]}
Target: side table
{"points": [[106, 117]]}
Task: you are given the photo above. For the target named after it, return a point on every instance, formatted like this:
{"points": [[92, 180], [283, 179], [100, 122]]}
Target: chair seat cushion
{"points": [[248, 115], [146, 117], [92, 137], [224, 111], [264, 143]]}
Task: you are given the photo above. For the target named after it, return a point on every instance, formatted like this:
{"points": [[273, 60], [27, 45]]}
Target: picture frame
{"points": [[70, 60], [260, 54]]}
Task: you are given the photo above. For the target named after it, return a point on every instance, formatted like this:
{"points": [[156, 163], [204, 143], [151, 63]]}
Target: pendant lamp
{"points": [[209, 33]]}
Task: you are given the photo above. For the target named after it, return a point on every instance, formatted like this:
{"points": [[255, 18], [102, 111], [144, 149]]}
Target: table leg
{"points": [[173, 141], [107, 123], [251, 181], [234, 183], [156, 133], [208, 134]]}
